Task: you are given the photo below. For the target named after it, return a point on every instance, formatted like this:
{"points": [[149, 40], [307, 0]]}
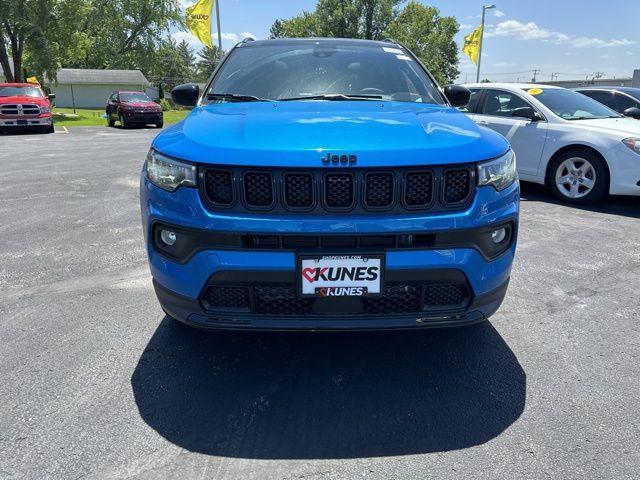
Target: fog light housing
{"points": [[498, 236], [168, 237]]}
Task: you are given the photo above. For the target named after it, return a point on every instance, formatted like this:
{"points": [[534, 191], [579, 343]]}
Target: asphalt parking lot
{"points": [[96, 383]]}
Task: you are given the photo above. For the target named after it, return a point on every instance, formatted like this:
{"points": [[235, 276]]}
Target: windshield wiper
{"points": [[236, 97], [334, 96]]}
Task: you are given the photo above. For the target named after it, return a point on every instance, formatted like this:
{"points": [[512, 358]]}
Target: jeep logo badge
{"points": [[332, 159]]}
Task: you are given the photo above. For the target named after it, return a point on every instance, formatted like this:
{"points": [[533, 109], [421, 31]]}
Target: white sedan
{"points": [[576, 146]]}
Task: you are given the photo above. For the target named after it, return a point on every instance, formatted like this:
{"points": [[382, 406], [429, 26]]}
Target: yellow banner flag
{"points": [[33, 80], [199, 21], [471, 46]]}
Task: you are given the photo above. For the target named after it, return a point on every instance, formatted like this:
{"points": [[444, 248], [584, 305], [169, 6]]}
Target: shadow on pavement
{"points": [[616, 205], [340, 395]]}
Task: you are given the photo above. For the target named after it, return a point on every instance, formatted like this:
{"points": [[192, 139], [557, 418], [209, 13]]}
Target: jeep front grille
{"points": [[319, 191]]}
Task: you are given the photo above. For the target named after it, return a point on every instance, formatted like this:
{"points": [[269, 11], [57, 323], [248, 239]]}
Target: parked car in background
{"points": [[25, 105], [624, 100], [328, 184], [133, 108], [578, 147]]}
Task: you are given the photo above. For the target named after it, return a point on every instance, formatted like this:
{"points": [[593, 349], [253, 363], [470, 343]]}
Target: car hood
{"points": [[301, 132], [618, 127], [24, 99]]}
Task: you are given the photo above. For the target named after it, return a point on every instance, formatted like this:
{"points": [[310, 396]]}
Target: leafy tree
{"points": [[339, 18], [209, 58], [170, 68], [430, 37], [420, 28], [187, 55], [43, 35]]}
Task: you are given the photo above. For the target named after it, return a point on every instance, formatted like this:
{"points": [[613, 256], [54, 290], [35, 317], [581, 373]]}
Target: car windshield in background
{"points": [[34, 92], [570, 105], [322, 71], [134, 97]]}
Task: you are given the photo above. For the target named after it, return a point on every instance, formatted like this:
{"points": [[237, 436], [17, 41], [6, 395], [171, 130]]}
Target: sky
{"points": [[570, 39]]}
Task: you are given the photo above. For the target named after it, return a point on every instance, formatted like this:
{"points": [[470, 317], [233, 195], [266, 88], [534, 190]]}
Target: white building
{"points": [[90, 88]]}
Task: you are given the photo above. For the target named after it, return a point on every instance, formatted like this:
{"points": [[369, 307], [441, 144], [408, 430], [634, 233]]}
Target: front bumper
{"points": [[180, 286], [25, 122], [143, 117]]}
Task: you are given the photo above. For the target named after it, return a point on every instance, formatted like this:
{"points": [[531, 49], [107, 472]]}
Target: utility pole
{"points": [[535, 72], [484, 9]]}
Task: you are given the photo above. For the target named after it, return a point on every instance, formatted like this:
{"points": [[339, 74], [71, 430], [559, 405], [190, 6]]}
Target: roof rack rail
{"points": [[245, 40]]}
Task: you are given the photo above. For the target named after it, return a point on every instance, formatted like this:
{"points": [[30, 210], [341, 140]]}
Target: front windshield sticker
{"points": [[534, 91], [392, 50], [403, 57]]}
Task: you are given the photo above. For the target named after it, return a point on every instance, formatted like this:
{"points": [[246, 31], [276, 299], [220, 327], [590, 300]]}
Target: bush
{"points": [[164, 103]]}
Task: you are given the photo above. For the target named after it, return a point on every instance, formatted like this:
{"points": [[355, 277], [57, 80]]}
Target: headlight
{"points": [[45, 109], [499, 173], [633, 143], [168, 173]]}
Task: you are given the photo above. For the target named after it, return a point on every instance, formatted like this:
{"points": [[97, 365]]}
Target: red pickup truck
{"points": [[25, 105]]}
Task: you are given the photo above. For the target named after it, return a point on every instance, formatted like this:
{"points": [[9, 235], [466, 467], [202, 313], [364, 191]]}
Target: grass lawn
{"points": [[86, 117]]}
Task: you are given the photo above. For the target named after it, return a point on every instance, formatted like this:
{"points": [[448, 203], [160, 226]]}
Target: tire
{"points": [[111, 122], [122, 122], [159, 125], [578, 176], [50, 129]]}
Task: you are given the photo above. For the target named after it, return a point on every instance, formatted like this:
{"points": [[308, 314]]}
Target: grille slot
{"points": [[445, 296], [298, 190], [221, 298], [258, 189], [338, 191], [457, 185], [418, 189], [395, 299], [379, 190], [280, 301], [219, 186]]}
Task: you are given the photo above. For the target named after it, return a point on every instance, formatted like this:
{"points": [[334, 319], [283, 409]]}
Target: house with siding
{"points": [[90, 88]]}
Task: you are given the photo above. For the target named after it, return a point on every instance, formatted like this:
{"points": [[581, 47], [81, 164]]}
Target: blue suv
{"points": [[328, 184]]}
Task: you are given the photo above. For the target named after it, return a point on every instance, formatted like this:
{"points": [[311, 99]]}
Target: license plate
{"points": [[340, 275]]}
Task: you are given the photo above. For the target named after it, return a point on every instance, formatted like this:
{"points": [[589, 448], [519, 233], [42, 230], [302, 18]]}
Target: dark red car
{"points": [[133, 108]]}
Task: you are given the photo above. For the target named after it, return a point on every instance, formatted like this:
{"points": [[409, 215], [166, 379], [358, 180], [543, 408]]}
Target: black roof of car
{"points": [[631, 90]]}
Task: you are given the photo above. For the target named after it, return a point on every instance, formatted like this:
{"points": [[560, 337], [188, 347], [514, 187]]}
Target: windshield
{"points": [[134, 97], [289, 70], [34, 92], [570, 105]]}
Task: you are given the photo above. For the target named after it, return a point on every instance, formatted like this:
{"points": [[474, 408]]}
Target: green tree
{"points": [[44, 35], [209, 59], [430, 36], [187, 55], [420, 28], [339, 18]]}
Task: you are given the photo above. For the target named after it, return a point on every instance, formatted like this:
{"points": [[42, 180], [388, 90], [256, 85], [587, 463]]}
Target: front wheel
{"points": [[122, 121], [579, 177], [159, 125], [49, 129]]}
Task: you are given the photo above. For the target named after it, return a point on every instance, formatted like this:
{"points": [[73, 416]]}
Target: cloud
{"points": [[531, 31], [247, 34], [188, 37], [498, 13]]}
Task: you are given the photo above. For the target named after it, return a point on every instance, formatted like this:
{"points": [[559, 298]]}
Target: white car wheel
{"points": [[575, 177]]}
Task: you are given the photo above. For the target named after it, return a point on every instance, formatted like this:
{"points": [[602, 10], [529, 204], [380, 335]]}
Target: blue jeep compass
{"points": [[328, 184]]}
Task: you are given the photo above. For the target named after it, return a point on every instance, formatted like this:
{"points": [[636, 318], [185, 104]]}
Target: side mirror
{"points": [[51, 96], [526, 112], [186, 95], [633, 112], [457, 95]]}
